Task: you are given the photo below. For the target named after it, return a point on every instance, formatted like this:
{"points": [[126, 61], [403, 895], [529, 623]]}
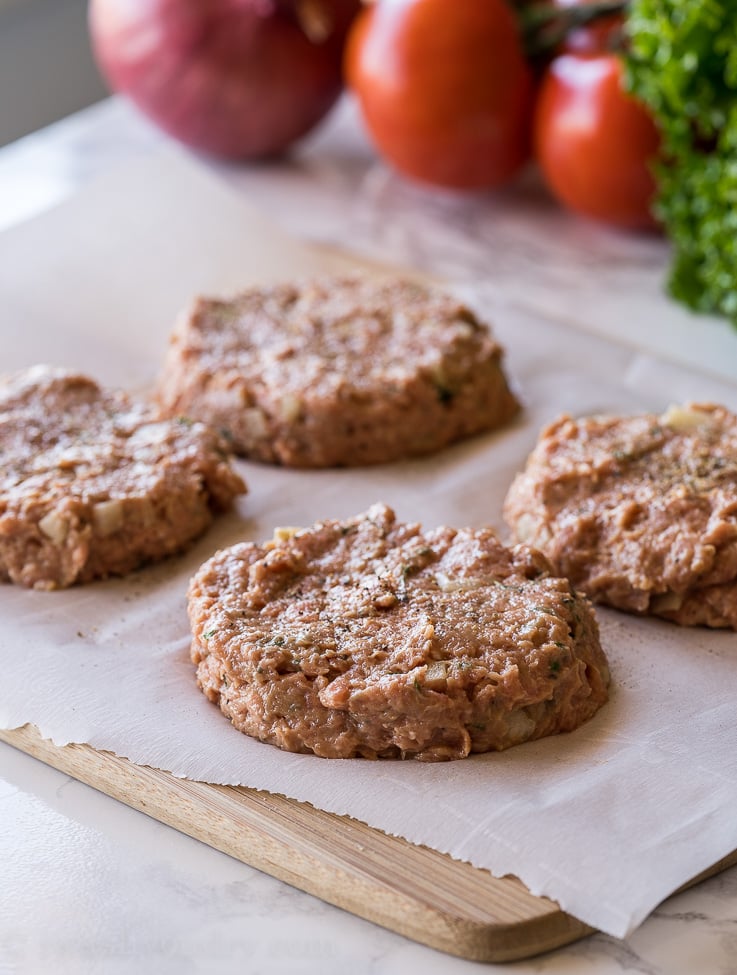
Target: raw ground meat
{"points": [[639, 512], [369, 637], [95, 484], [337, 372]]}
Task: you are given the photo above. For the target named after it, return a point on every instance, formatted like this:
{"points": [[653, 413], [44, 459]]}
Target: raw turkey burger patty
{"points": [[369, 637], [640, 512], [95, 484], [337, 372]]}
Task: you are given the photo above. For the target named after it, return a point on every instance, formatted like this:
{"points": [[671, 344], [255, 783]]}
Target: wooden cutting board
{"points": [[415, 891]]}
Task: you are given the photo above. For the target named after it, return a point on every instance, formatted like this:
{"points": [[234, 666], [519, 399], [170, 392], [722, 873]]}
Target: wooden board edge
{"points": [[431, 898], [724, 864]]}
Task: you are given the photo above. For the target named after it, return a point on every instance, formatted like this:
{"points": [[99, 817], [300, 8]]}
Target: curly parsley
{"points": [[682, 63]]}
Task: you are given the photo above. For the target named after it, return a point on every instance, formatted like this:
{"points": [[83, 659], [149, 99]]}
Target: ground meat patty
{"points": [[372, 638], [337, 372], [640, 512], [94, 484]]}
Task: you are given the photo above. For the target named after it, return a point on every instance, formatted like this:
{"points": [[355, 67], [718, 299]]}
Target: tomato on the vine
{"points": [[444, 89], [594, 143]]}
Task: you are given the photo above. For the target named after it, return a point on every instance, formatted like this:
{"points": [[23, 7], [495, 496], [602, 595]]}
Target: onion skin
{"points": [[238, 79]]}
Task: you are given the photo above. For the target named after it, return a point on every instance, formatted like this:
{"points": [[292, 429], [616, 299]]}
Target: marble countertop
{"points": [[93, 886]]}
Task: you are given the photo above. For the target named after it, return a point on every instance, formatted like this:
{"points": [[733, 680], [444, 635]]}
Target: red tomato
{"points": [[444, 88], [595, 143]]}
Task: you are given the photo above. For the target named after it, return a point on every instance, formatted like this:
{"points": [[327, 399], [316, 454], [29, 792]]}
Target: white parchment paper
{"points": [[607, 821]]}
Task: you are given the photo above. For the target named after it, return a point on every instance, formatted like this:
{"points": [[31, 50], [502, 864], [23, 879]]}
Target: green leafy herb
{"points": [[682, 64]]}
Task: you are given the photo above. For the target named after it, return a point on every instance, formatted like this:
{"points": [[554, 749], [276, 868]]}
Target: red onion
{"points": [[240, 79]]}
